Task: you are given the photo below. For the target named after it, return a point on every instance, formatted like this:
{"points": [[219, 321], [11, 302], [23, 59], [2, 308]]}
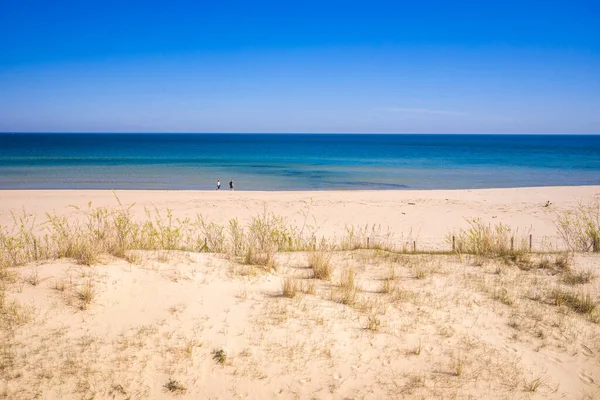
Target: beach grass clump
{"points": [[373, 323], [265, 260], [580, 227], [386, 286], [459, 366], [18, 244], [488, 240], [86, 293], [174, 386], [503, 296], [163, 232], [320, 263], [289, 287], [534, 384], [578, 277], [420, 273], [348, 287], [237, 238], [307, 287], [366, 237], [219, 356], [577, 301], [11, 312], [215, 240], [268, 232]]}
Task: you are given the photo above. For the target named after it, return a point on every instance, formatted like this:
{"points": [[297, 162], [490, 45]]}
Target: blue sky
{"points": [[300, 66]]}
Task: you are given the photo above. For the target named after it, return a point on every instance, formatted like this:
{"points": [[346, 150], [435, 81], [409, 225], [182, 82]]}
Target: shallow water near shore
{"points": [[296, 161]]}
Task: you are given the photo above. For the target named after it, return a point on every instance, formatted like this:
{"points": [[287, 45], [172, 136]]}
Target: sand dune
{"points": [[164, 324]]}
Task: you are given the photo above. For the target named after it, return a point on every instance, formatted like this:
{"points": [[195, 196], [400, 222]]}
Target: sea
{"points": [[275, 162]]}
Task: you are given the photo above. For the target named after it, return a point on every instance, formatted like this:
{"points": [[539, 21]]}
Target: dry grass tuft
{"points": [[459, 365], [417, 350], [59, 286], [580, 227], [578, 277], [373, 323], [420, 273], [220, 356], [386, 286], [534, 384], [34, 278], [265, 260], [289, 287], [308, 287], [503, 296], [174, 386], [487, 240], [320, 262], [392, 272], [86, 294], [348, 287], [579, 302]]}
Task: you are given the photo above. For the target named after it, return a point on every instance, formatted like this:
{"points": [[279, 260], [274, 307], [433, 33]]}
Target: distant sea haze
{"points": [[296, 161]]}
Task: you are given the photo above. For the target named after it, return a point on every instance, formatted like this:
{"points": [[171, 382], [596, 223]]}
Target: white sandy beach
{"points": [[446, 327]]}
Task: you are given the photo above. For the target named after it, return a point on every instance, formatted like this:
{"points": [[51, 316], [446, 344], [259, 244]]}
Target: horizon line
{"points": [[285, 133]]}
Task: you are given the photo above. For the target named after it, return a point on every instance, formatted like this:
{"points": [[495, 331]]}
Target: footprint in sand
{"points": [[587, 351], [511, 348], [555, 359], [586, 377]]}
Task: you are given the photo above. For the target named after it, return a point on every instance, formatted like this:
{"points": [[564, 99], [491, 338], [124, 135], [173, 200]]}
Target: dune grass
{"points": [[320, 262], [579, 227], [488, 240], [114, 231]]}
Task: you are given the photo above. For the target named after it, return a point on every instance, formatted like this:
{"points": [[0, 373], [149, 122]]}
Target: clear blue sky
{"points": [[479, 66]]}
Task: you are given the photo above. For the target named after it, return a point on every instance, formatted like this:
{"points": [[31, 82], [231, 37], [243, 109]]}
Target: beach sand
{"points": [[425, 216], [417, 326]]}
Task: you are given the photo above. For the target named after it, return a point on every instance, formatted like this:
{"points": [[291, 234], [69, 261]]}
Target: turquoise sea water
{"points": [[296, 162]]}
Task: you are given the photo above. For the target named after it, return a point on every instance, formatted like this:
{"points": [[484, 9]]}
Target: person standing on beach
{"points": [[231, 184], [218, 184]]}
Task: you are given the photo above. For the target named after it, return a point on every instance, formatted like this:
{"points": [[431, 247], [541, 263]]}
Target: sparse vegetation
{"points": [[579, 302], [578, 277], [319, 261], [417, 350], [59, 286], [459, 365], [488, 240], [114, 231], [420, 273], [348, 287], [373, 323], [220, 356], [34, 278], [289, 287], [86, 293], [174, 386], [580, 227], [367, 237], [503, 296], [386, 286], [534, 384], [390, 298]]}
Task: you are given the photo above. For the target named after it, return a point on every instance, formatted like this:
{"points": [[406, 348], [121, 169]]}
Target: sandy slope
{"points": [[460, 331], [445, 326]]}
